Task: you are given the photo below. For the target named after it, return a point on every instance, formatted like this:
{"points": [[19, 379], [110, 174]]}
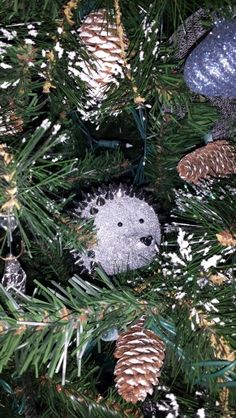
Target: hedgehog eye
{"points": [[120, 224], [141, 220]]}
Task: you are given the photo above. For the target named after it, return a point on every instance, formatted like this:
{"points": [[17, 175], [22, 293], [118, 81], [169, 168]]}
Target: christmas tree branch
{"points": [[42, 332]]}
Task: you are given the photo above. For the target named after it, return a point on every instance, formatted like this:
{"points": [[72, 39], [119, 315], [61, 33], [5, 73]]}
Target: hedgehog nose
{"points": [[147, 240]]}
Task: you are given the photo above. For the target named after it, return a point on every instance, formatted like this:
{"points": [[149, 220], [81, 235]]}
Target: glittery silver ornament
{"points": [[127, 230], [210, 69], [14, 277]]}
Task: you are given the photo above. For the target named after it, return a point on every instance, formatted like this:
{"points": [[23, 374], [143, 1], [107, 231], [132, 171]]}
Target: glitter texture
{"points": [[100, 37], [127, 231], [14, 277], [211, 68]]}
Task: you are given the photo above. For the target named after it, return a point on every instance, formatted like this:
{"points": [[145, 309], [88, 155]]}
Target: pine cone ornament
{"points": [[216, 159], [141, 354], [100, 37]]}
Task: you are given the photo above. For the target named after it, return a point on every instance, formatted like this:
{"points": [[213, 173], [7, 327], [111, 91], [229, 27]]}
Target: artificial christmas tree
{"points": [[79, 80]]}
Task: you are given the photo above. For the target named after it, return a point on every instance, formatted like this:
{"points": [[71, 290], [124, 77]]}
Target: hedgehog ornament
{"points": [[127, 230]]}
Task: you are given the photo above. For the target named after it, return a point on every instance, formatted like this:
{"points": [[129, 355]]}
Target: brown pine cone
{"points": [[216, 159], [141, 354], [101, 39]]}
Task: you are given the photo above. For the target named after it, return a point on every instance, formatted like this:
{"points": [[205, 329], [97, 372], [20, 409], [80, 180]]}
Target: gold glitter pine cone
{"points": [[216, 159], [99, 34], [140, 354]]}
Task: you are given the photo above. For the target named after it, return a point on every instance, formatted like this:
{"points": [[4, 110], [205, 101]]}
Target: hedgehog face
{"points": [[127, 232]]}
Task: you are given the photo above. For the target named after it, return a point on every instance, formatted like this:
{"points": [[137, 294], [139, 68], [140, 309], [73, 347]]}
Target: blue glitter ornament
{"points": [[210, 69]]}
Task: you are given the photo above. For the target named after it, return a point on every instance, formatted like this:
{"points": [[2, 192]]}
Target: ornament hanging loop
{"points": [[15, 257]]}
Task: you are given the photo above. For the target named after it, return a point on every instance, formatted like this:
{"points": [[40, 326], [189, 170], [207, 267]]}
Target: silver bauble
{"points": [[210, 69], [127, 230]]}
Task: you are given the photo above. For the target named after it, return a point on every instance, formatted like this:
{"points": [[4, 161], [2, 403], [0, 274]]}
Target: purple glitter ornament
{"points": [[210, 69]]}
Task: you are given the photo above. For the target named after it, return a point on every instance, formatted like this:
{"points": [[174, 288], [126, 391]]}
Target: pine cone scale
{"points": [[100, 37], [213, 160], [125, 350], [140, 355]]}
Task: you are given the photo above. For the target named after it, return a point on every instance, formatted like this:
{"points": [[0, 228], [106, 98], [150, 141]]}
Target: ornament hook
{"points": [[14, 257]]}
